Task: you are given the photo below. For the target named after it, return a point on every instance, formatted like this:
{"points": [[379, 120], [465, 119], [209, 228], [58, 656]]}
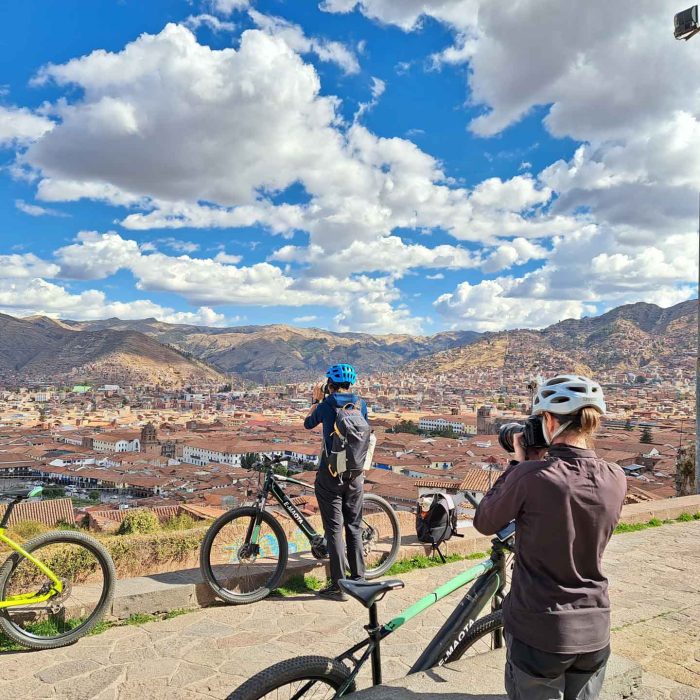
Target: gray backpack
{"points": [[352, 438]]}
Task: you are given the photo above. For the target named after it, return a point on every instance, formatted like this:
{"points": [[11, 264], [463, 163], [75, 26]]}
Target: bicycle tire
{"points": [[486, 625], [207, 570], [303, 668], [31, 641], [384, 505]]}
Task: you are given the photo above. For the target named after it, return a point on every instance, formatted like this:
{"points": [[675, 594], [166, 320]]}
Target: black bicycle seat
{"points": [[368, 592]]}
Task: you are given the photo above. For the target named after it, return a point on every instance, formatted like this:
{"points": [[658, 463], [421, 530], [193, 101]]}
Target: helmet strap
{"points": [[550, 438]]}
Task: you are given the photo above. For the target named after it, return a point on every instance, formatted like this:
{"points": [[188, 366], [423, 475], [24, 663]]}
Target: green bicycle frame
{"points": [[15, 601], [439, 593]]}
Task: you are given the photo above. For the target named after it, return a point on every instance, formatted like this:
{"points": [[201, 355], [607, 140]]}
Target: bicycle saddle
{"points": [[368, 592]]}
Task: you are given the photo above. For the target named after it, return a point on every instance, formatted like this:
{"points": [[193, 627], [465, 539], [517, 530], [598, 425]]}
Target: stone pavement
{"points": [[655, 585]]}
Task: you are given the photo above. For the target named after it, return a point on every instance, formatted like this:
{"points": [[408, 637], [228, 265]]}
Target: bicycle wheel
{"points": [[236, 570], [381, 535], [87, 572], [486, 634], [311, 677]]}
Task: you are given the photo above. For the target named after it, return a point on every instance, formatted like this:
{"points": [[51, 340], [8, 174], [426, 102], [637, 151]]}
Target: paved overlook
{"points": [[655, 584]]}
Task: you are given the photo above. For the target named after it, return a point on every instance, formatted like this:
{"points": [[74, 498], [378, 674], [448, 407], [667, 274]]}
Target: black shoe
{"points": [[333, 592]]}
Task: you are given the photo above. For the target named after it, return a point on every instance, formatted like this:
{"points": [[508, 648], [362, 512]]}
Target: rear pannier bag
{"points": [[436, 520]]}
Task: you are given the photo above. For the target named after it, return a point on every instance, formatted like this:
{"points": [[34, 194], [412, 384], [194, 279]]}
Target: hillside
{"points": [[280, 352], [635, 338], [41, 348]]}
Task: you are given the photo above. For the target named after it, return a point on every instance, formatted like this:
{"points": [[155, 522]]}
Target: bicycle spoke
{"points": [[82, 579], [239, 565]]}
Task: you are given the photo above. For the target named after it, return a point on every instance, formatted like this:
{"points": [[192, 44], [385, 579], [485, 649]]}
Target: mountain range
{"points": [[628, 337]]}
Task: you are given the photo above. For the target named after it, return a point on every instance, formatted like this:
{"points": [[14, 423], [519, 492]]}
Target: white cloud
{"points": [[486, 306], [194, 22], [19, 126], [96, 255], [35, 210], [26, 265], [226, 7], [294, 37], [37, 296], [436, 276], [516, 252], [305, 319]]}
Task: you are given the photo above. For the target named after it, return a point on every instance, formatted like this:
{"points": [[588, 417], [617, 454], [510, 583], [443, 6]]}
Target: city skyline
{"points": [[353, 166]]}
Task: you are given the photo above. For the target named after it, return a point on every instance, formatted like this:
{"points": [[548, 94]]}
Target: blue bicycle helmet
{"points": [[339, 374]]}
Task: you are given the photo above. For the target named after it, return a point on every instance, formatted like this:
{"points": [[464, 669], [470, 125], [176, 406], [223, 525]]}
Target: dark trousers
{"points": [[340, 503], [532, 674]]}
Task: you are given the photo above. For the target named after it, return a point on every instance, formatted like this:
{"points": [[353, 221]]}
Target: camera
{"points": [[533, 435]]}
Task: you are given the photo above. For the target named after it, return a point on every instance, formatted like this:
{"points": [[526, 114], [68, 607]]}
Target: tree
{"points": [[405, 426], [640, 380], [647, 437], [628, 426], [248, 460], [94, 495], [51, 492], [139, 522], [685, 471]]}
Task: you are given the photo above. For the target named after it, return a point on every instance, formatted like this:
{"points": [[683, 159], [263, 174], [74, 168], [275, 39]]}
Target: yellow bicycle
{"points": [[54, 588]]}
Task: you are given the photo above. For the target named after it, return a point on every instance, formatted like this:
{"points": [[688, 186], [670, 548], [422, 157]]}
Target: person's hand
{"points": [[318, 393], [520, 454], [524, 455]]}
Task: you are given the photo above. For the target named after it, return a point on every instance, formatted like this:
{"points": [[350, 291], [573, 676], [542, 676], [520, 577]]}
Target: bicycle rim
{"points": [[238, 570], [87, 576]]}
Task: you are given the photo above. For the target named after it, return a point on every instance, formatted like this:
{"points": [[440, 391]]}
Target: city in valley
{"points": [[115, 447]]}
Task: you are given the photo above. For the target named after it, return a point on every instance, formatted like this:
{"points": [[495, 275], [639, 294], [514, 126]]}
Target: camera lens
{"points": [[505, 435]]}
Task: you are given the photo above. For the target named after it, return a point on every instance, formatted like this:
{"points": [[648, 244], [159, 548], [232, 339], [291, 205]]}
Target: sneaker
{"points": [[333, 592]]}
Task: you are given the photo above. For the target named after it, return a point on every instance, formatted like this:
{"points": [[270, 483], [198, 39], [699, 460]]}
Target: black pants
{"points": [[532, 674], [340, 503]]}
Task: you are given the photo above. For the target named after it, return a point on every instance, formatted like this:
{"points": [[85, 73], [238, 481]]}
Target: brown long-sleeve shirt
{"points": [[565, 508]]}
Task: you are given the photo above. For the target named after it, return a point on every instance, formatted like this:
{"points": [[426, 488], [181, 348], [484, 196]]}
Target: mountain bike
{"points": [[55, 588], [245, 552], [462, 633]]}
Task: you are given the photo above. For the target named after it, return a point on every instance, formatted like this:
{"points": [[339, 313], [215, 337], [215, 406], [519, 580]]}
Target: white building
{"points": [[116, 442], [458, 425]]}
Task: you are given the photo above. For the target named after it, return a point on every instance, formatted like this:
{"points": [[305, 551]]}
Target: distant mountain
{"points": [[43, 348], [283, 353], [637, 338], [633, 337]]}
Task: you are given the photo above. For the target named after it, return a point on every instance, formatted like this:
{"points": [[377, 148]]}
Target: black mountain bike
{"points": [[245, 552], [463, 633]]}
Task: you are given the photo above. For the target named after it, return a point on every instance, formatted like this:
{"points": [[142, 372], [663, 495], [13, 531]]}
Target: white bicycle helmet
{"points": [[568, 393]]}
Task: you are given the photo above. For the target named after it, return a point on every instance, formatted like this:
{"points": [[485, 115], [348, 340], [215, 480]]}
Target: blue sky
{"points": [[370, 166]]}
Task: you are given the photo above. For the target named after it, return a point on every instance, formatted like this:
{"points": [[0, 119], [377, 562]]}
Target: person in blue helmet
{"points": [[339, 496]]}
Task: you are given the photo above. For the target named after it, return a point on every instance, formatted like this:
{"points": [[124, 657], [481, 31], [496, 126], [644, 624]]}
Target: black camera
{"points": [[533, 435]]}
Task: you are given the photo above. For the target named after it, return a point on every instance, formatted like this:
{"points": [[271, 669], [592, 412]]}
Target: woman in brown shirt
{"points": [[565, 505]]}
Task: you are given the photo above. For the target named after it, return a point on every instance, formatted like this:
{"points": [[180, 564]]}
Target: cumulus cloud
{"points": [[20, 126], [294, 37], [38, 296], [194, 22]]}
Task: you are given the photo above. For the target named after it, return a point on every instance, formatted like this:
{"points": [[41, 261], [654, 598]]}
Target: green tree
{"points": [[51, 492], [640, 380], [94, 495], [647, 438], [405, 426], [139, 522], [248, 460]]}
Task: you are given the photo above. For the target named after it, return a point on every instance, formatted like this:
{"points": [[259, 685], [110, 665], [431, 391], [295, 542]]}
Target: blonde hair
{"points": [[585, 423]]}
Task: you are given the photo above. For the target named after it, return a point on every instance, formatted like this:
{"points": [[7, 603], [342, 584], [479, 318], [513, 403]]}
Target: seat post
{"points": [[375, 633]]}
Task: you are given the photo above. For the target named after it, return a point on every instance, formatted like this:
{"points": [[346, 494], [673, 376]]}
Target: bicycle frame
{"points": [[489, 578], [271, 486], [29, 598]]}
